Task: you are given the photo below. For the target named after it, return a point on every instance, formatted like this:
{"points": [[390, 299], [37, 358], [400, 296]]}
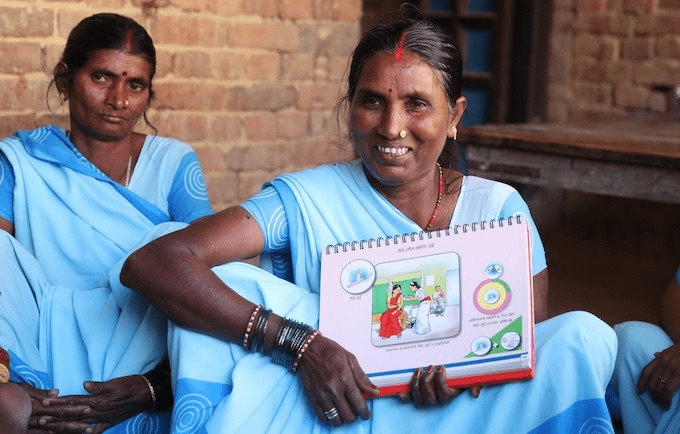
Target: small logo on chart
{"points": [[357, 276]]}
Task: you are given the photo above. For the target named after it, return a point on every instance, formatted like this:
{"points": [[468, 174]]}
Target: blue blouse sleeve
{"points": [[267, 209], [6, 189], [677, 276], [188, 198], [514, 204]]}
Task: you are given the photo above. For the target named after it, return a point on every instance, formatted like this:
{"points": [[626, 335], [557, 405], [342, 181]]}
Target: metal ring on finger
{"points": [[663, 380], [331, 413]]}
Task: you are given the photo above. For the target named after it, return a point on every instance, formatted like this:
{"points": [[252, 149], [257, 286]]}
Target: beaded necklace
{"points": [[439, 199]]}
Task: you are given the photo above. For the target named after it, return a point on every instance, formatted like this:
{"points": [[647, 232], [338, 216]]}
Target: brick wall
{"points": [[250, 84], [613, 56]]}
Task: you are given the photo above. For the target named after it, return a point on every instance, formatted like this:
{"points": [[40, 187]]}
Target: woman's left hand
{"points": [[429, 387], [109, 402], [662, 375]]}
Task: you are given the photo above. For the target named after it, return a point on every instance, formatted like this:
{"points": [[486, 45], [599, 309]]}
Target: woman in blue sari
{"points": [[72, 203], [647, 375], [244, 349]]}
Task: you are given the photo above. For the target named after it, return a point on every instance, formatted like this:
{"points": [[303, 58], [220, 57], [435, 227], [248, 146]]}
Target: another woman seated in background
{"points": [[404, 102], [76, 201], [647, 374]]}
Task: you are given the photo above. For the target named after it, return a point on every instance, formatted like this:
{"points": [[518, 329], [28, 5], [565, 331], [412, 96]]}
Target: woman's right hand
{"points": [[332, 378], [70, 415], [429, 387]]}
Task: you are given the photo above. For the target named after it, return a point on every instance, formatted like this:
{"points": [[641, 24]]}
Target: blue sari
{"points": [[219, 388], [60, 320]]}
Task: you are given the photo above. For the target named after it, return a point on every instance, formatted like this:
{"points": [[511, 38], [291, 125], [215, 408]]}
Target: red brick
{"points": [[323, 123], [150, 5], [669, 4], [267, 157], [225, 128], [251, 182], [182, 30], [658, 102], [190, 96], [211, 158], [292, 125], [349, 10], [318, 96], [261, 97], [182, 126], [654, 73], [298, 66], [588, 94], [164, 59], [262, 8], [631, 96], [19, 57], [222, 188], [591, 71], [607, 24], [338, 67], [26, 22], [197, 5], [669, 47], [642, 6], [261, 126], [9, 124], [192, 64], [21, 93], [638, 49], [263, 67], [297, 9], [658, 25], [105, 3], [596, 46], [592, 6], [268, 35]]}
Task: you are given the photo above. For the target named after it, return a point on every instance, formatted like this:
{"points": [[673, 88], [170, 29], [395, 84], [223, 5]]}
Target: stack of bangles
{"points": [[292, 339]]}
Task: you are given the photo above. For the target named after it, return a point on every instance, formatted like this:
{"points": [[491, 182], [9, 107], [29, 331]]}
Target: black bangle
{"points": [[291, 337], [159, 380]]}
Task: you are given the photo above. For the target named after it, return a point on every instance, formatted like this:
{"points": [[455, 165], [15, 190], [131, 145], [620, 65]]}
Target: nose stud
{"points": [[402, 133]]}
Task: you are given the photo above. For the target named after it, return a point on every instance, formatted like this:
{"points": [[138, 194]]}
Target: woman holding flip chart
{"points": [[244, 345]]}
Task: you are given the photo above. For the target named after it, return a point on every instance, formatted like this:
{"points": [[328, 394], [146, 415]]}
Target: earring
{"points": [[402, 133], [62, 95], [455, 133]]}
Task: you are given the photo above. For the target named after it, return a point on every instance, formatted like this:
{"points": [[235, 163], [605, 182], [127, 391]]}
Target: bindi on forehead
{"points": [[124, 73]]}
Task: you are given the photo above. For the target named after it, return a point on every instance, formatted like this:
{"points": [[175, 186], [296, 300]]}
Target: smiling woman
{"points": [[403, 103], [86, 356]]}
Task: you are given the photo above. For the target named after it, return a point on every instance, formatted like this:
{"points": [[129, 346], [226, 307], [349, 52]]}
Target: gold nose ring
{"points": [[402, 133]]}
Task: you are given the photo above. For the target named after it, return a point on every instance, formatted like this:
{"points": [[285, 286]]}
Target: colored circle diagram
{"points": [[491, 296]]}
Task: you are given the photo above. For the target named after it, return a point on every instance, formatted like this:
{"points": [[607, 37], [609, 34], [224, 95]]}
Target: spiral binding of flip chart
{"points": [[422, 235]]}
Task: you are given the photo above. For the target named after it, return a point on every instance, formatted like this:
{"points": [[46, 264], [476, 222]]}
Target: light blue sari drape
{"points": [[221, 389], [60, 320]]}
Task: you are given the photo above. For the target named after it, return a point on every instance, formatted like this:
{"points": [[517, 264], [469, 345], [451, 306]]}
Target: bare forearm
{"points": [[184, 288]]}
